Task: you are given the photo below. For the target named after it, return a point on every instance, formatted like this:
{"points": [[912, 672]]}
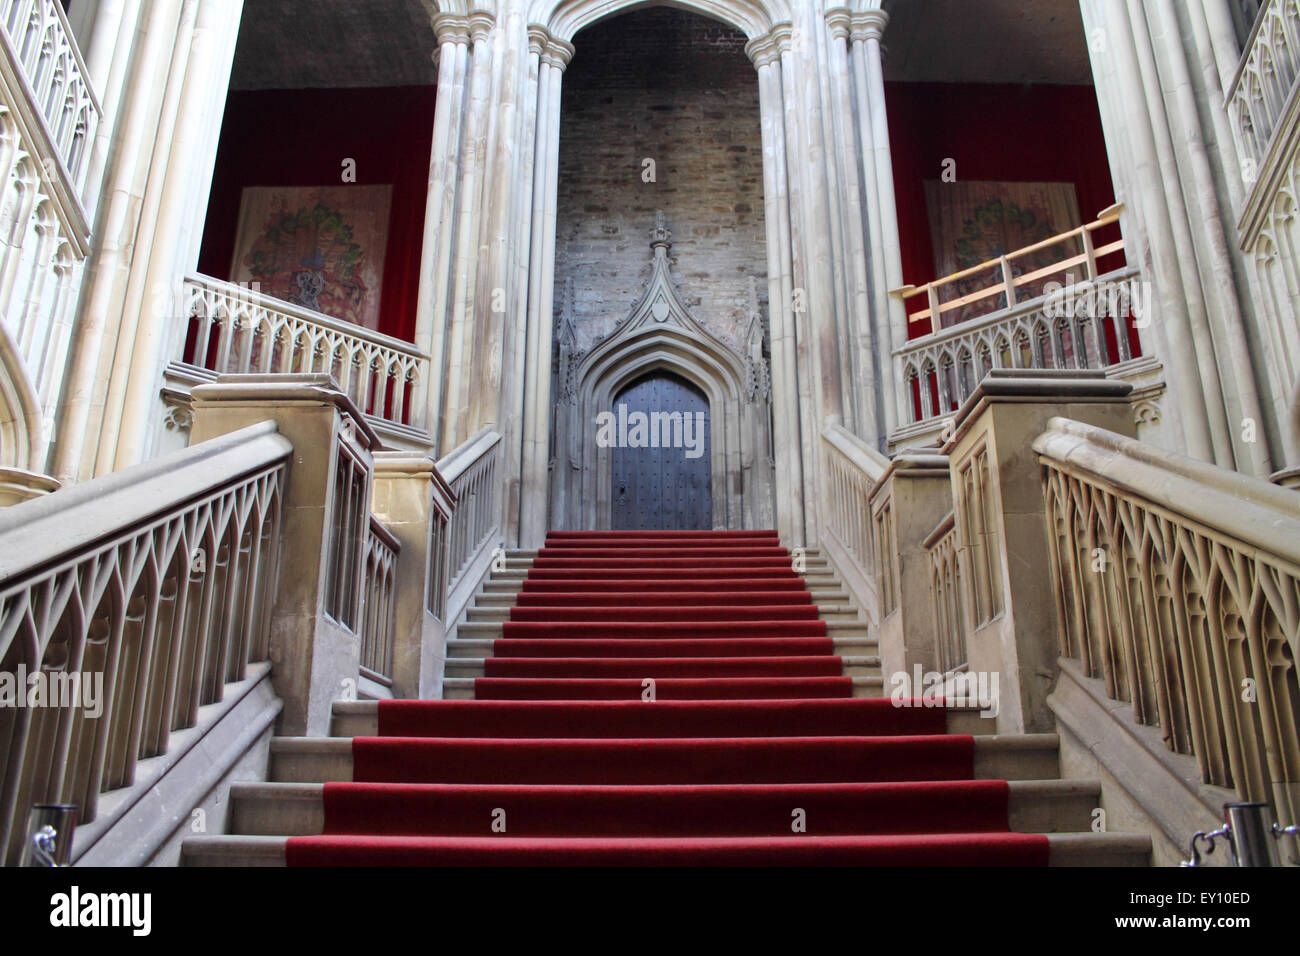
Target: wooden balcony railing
{"points": [[1055, 316]]}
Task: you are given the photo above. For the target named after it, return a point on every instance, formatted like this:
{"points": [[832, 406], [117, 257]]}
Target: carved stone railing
{"points": [[38, 38], [1044, 318], [946, 593], [132, 599], [1265, 80], [471, 472], [852, 469], [237, 329], [47, 118], [1178, 586], [378, 602], [348, 535]]}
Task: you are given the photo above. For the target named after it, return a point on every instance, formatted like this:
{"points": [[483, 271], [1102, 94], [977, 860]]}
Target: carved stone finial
{"points": [[753, 298], [661, 237]]}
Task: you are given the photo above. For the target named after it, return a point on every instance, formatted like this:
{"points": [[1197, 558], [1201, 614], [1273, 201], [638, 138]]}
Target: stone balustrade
{"points": [[1178, 587], [235, 328], [1259, 95], [126, 605], [38, 38]]}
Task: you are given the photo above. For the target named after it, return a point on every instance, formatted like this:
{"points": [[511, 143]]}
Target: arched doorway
{"points": [[660, 338], [661, 468]]}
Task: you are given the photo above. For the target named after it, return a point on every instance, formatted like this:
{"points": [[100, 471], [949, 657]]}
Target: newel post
{"points": [[415, 504], [908, 500], [1001, 526], [315, 619]]}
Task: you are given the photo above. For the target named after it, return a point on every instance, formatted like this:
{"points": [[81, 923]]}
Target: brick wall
{"points": [[677, 88]]}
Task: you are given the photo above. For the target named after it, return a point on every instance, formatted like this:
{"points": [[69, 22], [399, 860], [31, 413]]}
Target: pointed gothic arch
{"points": [[565, 18], [659, 334], [22, 444]]}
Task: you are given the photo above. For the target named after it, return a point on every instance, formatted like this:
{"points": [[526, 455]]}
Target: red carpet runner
{"points": [[753, 750]]}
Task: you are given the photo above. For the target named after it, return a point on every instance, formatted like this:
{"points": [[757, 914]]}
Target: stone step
{"points": [[479, 613], [360, 718], [298, 809], [483, 646], [508, 582], [997, 757], [832, 600], [491, 630], [1065, 849], [462, 688], [854, 666], [811, 564]]}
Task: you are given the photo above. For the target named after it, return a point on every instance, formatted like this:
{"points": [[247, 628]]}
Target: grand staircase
{"points": [[663, 698]]}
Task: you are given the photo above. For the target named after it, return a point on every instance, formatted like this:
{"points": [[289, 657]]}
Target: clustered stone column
{"points": [[487, 269], [167, 83], [487, 276], [832, 242], [1156, 75]]}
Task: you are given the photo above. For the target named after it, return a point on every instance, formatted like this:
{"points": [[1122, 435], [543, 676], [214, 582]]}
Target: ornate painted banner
{"points": [[320, 247]]}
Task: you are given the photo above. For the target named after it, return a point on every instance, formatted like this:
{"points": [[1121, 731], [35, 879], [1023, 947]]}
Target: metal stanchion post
{"points": [[50, 827]]}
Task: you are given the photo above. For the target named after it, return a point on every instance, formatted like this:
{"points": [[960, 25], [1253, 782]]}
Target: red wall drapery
{"points": [[301, 138]]}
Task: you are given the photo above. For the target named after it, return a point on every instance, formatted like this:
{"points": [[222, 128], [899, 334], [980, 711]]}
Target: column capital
{"points": [[557, 53], [538, 39], [763, 50], [480, 24], [839, 21], [451, 28], [869, 25]]}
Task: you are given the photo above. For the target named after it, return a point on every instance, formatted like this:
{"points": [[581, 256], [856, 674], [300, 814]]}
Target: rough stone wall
{"points": [[676, 88]]}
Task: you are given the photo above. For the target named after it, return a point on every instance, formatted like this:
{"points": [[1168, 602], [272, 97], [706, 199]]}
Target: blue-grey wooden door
{"points": [[669, 487]]}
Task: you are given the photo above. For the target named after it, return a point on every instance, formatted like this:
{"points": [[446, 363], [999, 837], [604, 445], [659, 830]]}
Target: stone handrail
{"points": [[945, 591], [40, 40], [470, 471], [942, 369], [130, 601], [1257, 98], [1178, 585], [378, 602], [235, 328], [852, 470]]}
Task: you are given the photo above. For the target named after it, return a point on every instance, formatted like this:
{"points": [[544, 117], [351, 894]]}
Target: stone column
{"points": [[455, 425], [412, 500], [553, 57], [99, 314], [862, 356], [1001, 524], [780, 278], [814, 389], [865, 32], [439, 214], [313, 656], [166, 246]]}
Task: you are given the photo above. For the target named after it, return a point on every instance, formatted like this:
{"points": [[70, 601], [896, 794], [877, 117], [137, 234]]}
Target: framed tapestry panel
{"points": [[973, 222], [320, 247]]}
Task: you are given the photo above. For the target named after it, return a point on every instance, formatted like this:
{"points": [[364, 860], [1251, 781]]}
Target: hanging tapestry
{"points": [[973, 222], [320, 247]]}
